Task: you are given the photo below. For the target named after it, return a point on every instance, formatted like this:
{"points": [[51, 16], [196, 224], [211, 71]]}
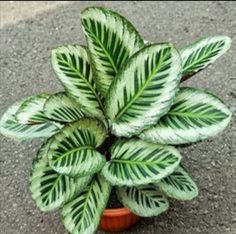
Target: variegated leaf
{"points": [[73, 69], [194, 116], [10, 127], [31, 110], [73, 149], [144, 90], [136, 162], [144, 200], [111, 40], [61, 108], [179, 185], [203, 53], [82, 214], [49, 189]]}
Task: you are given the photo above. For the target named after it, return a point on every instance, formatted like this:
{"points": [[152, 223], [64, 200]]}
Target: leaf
{"points": [[72, 67], [72, 151], [111, 40], [178, 185], [135, 162], [194, 116], [203, 53], [144, 89], [10, 127], [49, 189], [31, 110], [145, 200], [59, 107], [82, 214]]}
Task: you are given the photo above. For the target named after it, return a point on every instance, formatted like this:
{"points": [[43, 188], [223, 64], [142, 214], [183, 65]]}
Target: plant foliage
{"points": [[113, 125]]}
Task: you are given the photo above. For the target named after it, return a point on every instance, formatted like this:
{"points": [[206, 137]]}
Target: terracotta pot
{"points": [[117, 220]]}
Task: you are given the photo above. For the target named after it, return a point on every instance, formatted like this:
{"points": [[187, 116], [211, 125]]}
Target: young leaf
{"points": [[49, 189], [194, 116], [82, 214], [31, 110], [72, 67], [59, 107], [144, 200], [111, 40], [178, 185], [10, 127], [144, 89], [203, 52], [136, 162], [72, 151]]}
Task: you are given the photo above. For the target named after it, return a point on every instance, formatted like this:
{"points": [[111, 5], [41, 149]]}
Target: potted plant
{"points": [[114, 124]]}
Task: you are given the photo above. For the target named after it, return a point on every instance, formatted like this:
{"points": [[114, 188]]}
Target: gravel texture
{"points": [[25, 70]]}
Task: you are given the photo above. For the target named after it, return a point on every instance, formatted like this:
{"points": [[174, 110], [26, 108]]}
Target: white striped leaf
{"points": [[194, 116], [49, 189], [203, 53], [82, 214], [179, 185], [10, 127], [144, 200], [73, 150], [72, 67], [61, 108], [31, 110], [144, 89], [111, 40], [135, 162]]}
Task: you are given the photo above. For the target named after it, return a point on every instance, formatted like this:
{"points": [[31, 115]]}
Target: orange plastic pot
{"points": [[117, 220]]}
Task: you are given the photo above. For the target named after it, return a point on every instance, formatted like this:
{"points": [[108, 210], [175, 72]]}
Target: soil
{"points": [[114, 201], [104, 149]]}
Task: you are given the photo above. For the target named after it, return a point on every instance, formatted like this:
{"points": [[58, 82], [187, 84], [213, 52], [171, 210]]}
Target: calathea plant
{"points": [[113, 125]]}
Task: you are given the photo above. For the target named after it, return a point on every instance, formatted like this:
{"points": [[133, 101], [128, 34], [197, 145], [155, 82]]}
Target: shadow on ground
{"points": [[25, 70]]}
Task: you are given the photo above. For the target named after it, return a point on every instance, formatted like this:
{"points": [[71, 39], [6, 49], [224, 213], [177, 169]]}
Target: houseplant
{"points": [[113, 126]]}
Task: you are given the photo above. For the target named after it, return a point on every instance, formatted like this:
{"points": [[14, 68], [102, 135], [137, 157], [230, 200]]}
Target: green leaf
{"points": [[49, 189], [72, 67], [179, 185], [145, 200], [144, 89], [111, 40], [72, 151], [82, 214], [59, 107], [10, 127], [135, 162], [194, 116], [203, 53], [31, 110]]}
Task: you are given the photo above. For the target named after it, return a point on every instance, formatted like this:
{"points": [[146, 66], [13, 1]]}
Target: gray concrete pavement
{"points": [[12, 12], [25, 70]]}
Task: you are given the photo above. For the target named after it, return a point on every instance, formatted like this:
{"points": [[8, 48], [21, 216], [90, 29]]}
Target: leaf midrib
{"points": [[86, 81], [105, 50], [132, 162], [149, 196], [191, 115], [87, 198], [197, 61], [54, 185], [124, 109], [72, 151]]}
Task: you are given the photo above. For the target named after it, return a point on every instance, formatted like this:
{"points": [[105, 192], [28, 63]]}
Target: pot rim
{"points": [[117, 211]]}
